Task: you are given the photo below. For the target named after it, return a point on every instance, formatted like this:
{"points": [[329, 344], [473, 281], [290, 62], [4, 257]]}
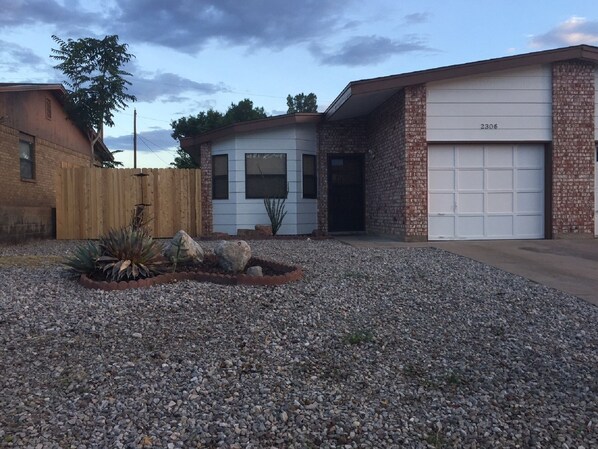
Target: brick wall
{"points": [[385, 171], [344, 136], [397, 167], [27, 205], [573, 150], [205, 163]]}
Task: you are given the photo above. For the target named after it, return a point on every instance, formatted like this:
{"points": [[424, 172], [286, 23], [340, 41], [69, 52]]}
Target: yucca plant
{"points": [[129, 253], [85, 258]]}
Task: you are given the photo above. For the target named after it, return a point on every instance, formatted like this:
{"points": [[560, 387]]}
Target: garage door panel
{"points": [[530, 202], [470, 179], [499, 179], [499, 156], [528, 226], [499, 226], [441, 203], [470, 203], [499, 203], [491, 192], [472, 156], [442, 180], [442, 227], [529, 156], [470, 226], [441, 156], [532, 179]]}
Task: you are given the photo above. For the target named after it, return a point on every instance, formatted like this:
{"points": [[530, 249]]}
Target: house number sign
{"points": [[488, 125]]}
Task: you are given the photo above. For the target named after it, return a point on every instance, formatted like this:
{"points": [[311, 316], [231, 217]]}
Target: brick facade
{"points": [[573, 149], [397, 167], [344, 137], [26, 205], [205, 163]]}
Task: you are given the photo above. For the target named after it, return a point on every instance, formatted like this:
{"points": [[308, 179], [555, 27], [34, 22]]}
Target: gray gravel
{"points": [[401, 348]]}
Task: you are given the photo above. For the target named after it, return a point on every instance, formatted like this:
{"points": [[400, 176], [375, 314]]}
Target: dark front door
{"points": [[346, 199]]}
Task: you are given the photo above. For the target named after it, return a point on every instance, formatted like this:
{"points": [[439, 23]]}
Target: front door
{"points": [[346, 198]]}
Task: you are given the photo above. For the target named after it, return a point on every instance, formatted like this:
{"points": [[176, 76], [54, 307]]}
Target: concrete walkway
{"points": [[567, 265]]}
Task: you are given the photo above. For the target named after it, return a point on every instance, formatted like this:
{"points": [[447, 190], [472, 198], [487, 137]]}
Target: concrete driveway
{"points": [[567, 265]]}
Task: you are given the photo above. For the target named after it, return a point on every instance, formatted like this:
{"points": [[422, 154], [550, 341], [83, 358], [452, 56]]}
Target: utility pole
{"points": [[134, 138]]}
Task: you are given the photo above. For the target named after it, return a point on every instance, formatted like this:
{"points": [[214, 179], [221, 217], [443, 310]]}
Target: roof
{"points": [[363, 96], [252, 126], [60, 93]]}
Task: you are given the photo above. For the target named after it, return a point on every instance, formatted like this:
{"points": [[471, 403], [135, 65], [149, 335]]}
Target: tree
{"points": [[208, 120], [96, 85], [113, 163], [302, 103]]}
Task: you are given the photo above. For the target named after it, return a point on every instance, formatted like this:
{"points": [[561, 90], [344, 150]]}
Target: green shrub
{"points": [[129, 253], [85, 258]]}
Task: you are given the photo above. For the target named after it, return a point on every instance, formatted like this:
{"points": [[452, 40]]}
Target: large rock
{"points": [[183, 249], [233, 255]]}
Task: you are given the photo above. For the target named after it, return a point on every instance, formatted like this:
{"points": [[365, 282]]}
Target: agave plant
{"points": [[85, 258], [129, 253]]}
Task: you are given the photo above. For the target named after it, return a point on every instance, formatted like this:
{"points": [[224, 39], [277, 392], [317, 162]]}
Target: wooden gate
{"points": [[91, 201]]}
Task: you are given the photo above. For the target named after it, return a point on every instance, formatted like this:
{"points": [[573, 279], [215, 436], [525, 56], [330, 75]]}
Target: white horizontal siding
{"points": [[518, 102], [238, 212]]}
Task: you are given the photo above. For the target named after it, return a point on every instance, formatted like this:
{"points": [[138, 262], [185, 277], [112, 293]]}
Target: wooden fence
{"points": [[91, 201]]}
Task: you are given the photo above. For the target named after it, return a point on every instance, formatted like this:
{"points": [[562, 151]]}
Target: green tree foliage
{"points": [[302, 103], [208, 120], [96, 83], [113, 163]]}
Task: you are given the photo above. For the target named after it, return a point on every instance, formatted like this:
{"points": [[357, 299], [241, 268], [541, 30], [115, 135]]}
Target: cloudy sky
{"points": [[195, 54]]}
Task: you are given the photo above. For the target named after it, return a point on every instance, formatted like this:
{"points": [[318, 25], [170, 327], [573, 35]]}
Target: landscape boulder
{"points": [[233, 255], [183, 249], [255, 271]]}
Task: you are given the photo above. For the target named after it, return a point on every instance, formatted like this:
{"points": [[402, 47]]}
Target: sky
{"points": [[192, 55]]}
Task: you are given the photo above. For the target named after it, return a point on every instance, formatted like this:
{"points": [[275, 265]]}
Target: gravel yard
{"points": [[398, 348]]}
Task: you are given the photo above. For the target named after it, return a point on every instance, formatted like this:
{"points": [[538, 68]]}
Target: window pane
{"points": [[220, 165], [26, 169], [309, 164], [25, 150], [220, 188], [266, 164], [266, 186], [309, 176]]}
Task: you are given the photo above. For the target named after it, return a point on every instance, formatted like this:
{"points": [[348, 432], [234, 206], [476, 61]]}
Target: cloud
{"points": [[417, 18], [25, 12], [188, 26], [154, 140], [15, 57], [366, 50], [573, 31], [169, 87]]}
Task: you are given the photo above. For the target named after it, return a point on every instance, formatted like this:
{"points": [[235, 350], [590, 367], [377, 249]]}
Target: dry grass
{"points": [[29, 261]]}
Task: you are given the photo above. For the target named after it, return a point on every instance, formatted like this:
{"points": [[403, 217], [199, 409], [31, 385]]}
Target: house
{"points": [[496, 149], [36, 139]]}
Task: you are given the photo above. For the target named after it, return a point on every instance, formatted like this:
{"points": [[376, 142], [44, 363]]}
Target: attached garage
{"points": [[486, 192]]}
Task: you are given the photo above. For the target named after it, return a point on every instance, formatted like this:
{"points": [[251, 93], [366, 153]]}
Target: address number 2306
{"points": [[488, 125]]}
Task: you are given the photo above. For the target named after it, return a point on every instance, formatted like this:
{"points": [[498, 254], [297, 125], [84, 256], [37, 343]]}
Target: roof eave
{"points": [[252, 126]]}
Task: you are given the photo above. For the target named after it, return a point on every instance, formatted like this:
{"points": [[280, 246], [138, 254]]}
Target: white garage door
{"points": [[485, 192]]}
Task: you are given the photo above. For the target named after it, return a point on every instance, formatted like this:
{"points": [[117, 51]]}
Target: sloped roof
{"points": [[363, 96], [60, 93]]}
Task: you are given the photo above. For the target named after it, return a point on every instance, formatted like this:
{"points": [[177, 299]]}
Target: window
{"points": [[220, 177], [265, 175], [310, 182], [27, 156], [48, 109]]}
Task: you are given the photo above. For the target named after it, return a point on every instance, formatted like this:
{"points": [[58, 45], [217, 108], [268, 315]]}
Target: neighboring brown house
{"points": [[497, 149], [36, 139]]}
